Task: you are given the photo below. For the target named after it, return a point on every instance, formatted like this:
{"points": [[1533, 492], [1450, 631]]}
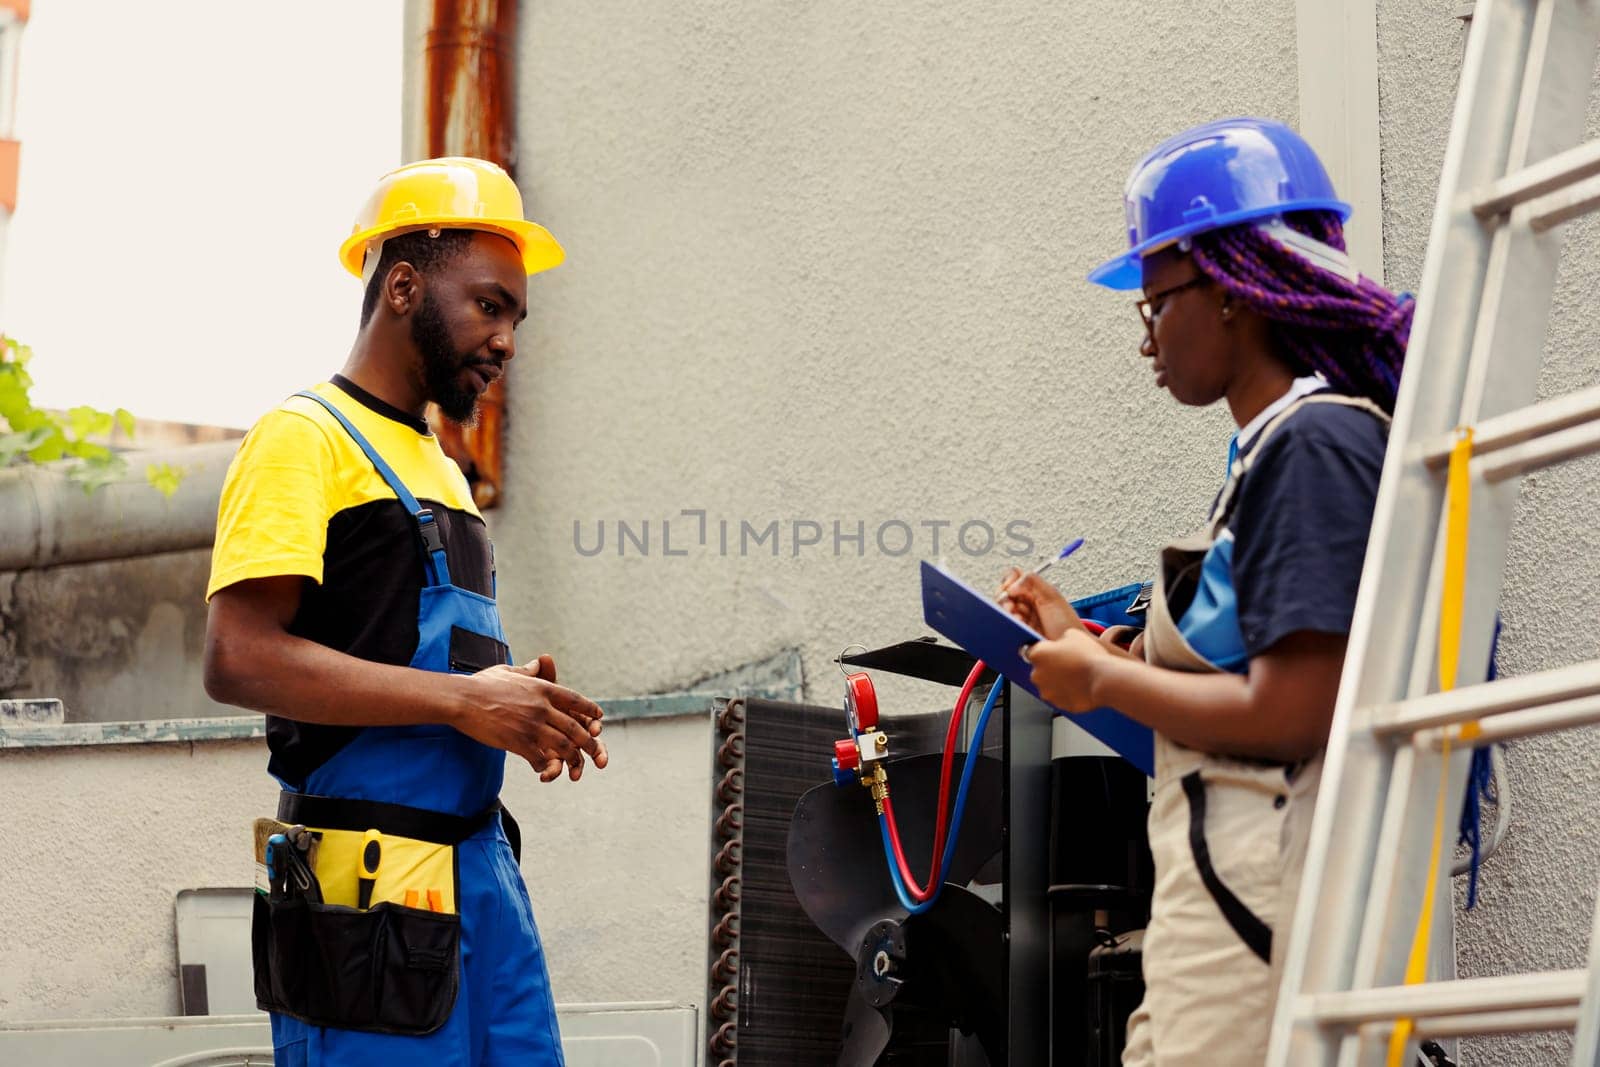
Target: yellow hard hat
{"points": [[453, 193]]}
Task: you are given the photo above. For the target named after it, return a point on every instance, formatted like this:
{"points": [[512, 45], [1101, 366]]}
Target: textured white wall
{"points": [[98, 841], [1536, 897], [826, 263], [96, 844]]}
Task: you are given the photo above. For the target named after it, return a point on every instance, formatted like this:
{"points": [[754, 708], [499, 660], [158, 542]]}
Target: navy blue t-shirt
{"points": [[1300, 523]]}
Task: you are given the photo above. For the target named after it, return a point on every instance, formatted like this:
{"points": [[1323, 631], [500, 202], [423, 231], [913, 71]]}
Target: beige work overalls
{"points": [[1229, 838]]}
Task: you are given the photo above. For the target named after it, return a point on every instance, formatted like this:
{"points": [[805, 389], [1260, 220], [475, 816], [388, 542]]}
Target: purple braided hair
{"points": [[1353, 334]]}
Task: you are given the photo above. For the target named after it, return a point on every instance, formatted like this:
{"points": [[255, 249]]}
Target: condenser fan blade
{"points": [[835, 851], [866, 1032], [955, 961], [934, 971]]}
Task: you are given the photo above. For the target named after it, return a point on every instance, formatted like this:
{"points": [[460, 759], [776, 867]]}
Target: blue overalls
{"points": [[503, 1011]]}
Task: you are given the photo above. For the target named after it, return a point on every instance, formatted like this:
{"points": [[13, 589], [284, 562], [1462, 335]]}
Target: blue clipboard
{"points": [[979, 625]]}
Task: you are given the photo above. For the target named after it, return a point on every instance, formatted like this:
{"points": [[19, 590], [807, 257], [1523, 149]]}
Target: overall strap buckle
{"points": [[432, 539], [433, 553]]}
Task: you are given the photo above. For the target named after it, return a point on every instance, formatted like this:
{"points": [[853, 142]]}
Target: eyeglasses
{"points": [[1147, 305]]}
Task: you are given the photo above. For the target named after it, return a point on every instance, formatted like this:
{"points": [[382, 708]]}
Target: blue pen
{"points": [[1047, 564]]}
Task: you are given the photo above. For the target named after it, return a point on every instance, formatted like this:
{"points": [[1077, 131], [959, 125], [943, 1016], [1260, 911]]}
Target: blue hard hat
{"points": [[1220, 174]]}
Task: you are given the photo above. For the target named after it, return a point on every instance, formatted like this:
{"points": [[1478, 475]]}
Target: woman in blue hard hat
{"points": [[1249, 298]]}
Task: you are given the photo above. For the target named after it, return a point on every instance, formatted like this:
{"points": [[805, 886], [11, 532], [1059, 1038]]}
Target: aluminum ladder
{"points": [[1400, 744]]}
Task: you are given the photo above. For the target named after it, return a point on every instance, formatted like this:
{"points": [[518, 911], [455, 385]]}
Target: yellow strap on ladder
{"points": [[1458, 490], [1457, 513]]}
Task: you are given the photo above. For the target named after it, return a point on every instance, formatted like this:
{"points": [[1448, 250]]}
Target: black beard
{"points": [[441, 368]]}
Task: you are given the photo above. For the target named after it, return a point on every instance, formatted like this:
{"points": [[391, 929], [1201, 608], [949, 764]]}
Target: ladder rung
{"points": [[1530, 722], [1490, 698], [1546, 176], [1526, 1021], [1564, 205], [1515, 427], [1559, 447], [1460, 997]]}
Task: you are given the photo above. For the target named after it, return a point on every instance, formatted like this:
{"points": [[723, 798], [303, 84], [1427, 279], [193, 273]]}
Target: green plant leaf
{"points": [[89, 450], [86, 421], [81, 420], [15, 444], [13, 397], [164, 477], [31, 418], [93, 474], [52, 448], [13, 372], [28, 434]]}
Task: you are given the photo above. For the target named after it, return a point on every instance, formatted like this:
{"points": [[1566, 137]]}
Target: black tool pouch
{"points": [[389, 969]]}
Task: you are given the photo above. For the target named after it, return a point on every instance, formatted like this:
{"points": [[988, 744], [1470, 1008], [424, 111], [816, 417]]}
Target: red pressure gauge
{"points": [[860, 703]]}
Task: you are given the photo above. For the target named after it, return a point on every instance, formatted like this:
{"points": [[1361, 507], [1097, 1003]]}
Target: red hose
{"points": [[918, 892], [941, 822]]}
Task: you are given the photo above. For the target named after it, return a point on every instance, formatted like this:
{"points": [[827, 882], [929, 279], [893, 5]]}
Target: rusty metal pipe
{"points": [[469, 80], [468, 106]]}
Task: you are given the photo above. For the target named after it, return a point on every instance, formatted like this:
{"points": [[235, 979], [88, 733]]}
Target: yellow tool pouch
{"points": [[404, 865], [359, 957]]}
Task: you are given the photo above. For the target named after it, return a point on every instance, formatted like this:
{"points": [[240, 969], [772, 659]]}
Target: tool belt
{"points": [[338, 813], [374, 942]]}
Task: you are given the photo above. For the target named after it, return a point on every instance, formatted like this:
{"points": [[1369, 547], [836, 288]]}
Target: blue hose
{"points": [[974, 750], [894, 874]]}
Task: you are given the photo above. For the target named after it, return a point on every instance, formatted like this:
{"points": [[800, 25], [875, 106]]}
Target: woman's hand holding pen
{"points": [[1065, 662], [1038, 603]]}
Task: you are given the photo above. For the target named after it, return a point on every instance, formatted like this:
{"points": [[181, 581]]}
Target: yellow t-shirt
{"points": [[302, 498], [298, 470]]}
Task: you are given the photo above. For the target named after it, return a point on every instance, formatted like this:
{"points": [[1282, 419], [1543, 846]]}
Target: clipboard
{"points": [[979, 625]]}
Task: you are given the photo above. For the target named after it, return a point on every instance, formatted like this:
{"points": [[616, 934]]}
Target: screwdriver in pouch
{"points": [[371, 858]]}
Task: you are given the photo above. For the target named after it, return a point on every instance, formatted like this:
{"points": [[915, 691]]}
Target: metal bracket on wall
{"points": [[31, 711]]}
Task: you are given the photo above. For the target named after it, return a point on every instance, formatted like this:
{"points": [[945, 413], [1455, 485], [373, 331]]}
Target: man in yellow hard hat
{"points": [[352, 600]]}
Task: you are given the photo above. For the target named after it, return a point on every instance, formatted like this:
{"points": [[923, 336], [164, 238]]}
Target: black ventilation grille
{"points": [[776, 986]]}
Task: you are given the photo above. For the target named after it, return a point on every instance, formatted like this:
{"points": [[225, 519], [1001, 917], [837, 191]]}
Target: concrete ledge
{"points": [[245, 727], [141, 731], [592, 1035], [775, 678]]}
